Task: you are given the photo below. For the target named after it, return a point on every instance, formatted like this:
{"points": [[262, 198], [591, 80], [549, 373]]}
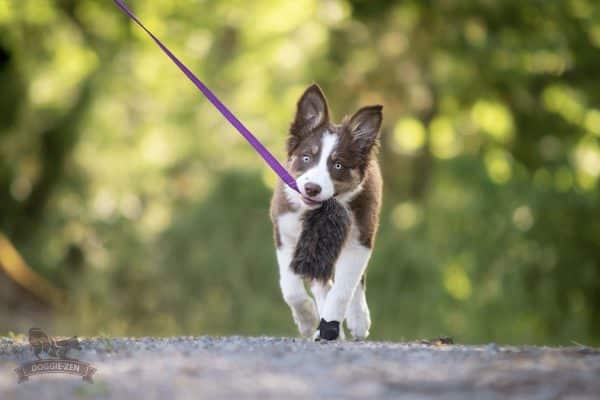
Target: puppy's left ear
{"points": [[312, 113], [364, 126]]}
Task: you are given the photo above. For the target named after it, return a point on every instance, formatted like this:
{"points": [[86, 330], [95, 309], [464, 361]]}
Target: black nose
{"points": [[312, 189]]}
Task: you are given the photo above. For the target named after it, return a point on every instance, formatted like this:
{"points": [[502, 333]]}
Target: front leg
{"points": [[349, 267], [319, 290], [292, 287]]}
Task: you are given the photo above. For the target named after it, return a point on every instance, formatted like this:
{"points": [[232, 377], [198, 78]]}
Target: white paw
{"points": [[358, 324], [306, 329], [317, 335], [306, 318]]}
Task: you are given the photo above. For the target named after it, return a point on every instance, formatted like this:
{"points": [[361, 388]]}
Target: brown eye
{"points": [[305, 159], [338, 166]]}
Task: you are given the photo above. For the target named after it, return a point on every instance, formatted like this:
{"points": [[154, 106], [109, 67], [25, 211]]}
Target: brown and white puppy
{"points": [[330, 160]]}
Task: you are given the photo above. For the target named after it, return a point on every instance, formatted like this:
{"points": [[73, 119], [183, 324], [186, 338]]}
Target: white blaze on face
{"points": [[319, 174]]}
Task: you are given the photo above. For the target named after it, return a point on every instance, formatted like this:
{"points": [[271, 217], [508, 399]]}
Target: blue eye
{"points": [[337, 165], [306, 159]]}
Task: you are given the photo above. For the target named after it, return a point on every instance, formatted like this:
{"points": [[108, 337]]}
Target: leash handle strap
{"points": [[254, 142]]}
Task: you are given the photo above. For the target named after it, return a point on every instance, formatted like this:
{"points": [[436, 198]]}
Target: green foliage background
{"points": [[121, 184]]}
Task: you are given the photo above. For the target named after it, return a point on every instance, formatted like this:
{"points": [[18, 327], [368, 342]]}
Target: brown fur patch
{"points": [[310, 146], [365, 206], [312, 115]]}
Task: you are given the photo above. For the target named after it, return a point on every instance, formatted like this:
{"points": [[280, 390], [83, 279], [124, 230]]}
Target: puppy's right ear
{"points": [[311, 113]]}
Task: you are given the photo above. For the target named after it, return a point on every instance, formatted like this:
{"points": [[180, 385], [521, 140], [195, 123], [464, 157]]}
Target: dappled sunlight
{"points": [[580, 8], [106, 25], [6, 10], [409, 135], [288, 55], [475, 31], [393, 44], [156, 148], [20, 188], [523, 218], [36, 12], [544, 61], [332, 12], [594, 35], [498, 166], [456, 281], [592, 121], [104, 204], [407, 215], [494, 119], [444, 139], [587, 158], [67, 65], [269, 179], [564, 101]]}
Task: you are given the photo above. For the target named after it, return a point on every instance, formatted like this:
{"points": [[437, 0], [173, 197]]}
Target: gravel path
{"points": [[287, 368]]}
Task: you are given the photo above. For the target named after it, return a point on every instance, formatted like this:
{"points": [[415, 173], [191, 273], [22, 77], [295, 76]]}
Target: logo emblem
{"points": [[56, 361]]}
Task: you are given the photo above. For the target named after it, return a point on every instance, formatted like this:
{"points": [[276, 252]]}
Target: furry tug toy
{"points": [[324, 231]]}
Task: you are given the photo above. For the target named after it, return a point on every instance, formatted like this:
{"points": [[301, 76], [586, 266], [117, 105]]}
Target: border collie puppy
{"points": [[329, 161]]}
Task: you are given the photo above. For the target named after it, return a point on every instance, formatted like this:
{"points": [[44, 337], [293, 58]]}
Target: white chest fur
{"points": [[290, 227]]}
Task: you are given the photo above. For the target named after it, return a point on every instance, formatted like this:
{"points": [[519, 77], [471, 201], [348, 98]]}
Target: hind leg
{"points": [[358, 318]]}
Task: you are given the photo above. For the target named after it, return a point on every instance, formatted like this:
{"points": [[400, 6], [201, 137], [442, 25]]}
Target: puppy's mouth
{"points": [[310, 202]]}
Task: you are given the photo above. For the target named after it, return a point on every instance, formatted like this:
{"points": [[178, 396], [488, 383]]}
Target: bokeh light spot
{"points": [[475, 32], [587, 157], [6, 10], [409, 136], [444, 140], [498, 166], [406, 215], [332, 12], [564, 101], [456, 281], [594, 35], [269, 179], [591, 121], [523, 218], [494, 119]]}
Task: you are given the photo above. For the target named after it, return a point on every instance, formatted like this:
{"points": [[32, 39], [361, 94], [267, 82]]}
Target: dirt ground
{"points": [[287, 368]]}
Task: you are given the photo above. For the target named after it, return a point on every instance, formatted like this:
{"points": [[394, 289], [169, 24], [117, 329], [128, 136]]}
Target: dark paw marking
{"points": [[329, 330]]}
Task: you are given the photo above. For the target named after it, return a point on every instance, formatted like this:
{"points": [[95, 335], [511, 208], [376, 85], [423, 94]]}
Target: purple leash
{"points": [[258, 146]]}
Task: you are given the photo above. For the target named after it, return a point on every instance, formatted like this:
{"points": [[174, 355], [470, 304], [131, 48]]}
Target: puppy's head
{"points": [[328, 159]]}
